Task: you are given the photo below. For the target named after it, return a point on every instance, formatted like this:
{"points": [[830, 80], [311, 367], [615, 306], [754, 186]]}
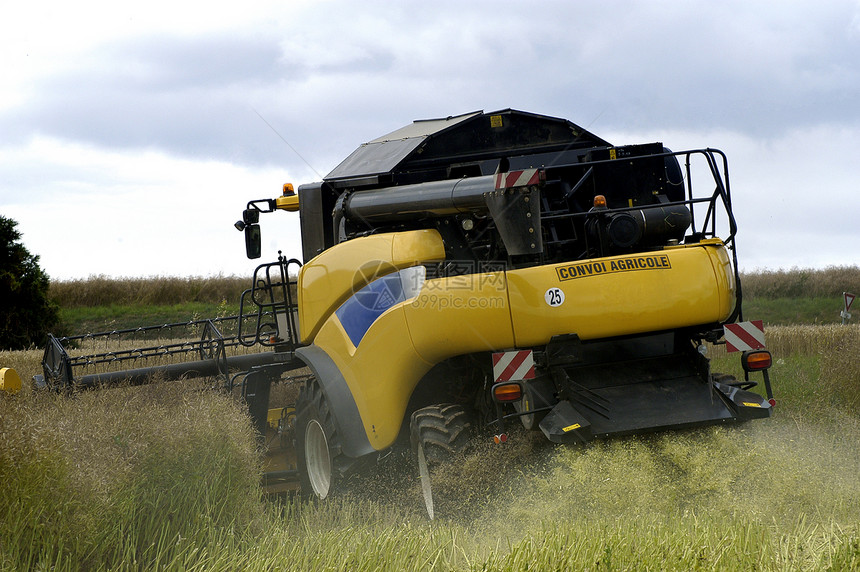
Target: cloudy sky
{"points": [[133, 134]]}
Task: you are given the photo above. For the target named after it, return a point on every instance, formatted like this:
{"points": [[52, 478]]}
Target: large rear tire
{"points": [[439, 434], [317, 443]]}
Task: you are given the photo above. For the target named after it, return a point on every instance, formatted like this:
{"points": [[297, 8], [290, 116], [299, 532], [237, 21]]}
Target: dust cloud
{"points": [[777, 473]]}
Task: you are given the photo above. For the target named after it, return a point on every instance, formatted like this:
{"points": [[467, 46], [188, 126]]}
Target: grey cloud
{"points": [[158, 64], [193, 97], [347, 73]]}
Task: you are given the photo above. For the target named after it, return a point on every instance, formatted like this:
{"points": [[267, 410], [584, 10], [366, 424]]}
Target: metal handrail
{"points": [[272, 294]]}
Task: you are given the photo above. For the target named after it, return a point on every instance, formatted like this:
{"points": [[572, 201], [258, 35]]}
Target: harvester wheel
{"points": [[530, 422], [317, 443], [439, 434]]}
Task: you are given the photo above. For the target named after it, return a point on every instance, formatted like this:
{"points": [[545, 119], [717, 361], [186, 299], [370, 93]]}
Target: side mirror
{"points": [[253, 241], [248, 224]]}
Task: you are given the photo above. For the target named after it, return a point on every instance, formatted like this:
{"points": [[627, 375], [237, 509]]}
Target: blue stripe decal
{"points": [[357, 314]]}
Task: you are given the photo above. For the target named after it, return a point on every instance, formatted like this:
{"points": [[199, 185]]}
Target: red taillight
{"points": [[507, 391], [756, 360]]}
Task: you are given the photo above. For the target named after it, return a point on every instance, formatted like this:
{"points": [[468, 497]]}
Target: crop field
{"points": [[166, 477]]}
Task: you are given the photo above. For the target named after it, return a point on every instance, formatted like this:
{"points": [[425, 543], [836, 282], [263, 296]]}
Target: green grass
{"points": [[80, 320], [112, 478], [165, 477], [787, 311]]}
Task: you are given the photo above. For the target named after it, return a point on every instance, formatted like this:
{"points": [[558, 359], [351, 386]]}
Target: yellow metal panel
{"points": [[287, 203], [632, 294], [10, 381], [415, 247], [724, 272], [329, 279], [460, 315], [622, 295], [451, 316], [381, 375]]}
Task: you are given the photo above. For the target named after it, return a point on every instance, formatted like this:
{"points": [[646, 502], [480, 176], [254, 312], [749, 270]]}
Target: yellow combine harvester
{"points": [[460, 274]]}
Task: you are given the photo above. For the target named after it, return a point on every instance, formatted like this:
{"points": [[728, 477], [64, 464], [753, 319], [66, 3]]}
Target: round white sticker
{"points": [[554, 297]]}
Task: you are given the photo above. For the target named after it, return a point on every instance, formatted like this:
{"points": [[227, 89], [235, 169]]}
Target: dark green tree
{"points": [[26, 313]]}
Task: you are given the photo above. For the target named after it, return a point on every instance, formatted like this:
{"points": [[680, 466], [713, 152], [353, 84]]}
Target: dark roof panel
{"points": [[462, 138]]}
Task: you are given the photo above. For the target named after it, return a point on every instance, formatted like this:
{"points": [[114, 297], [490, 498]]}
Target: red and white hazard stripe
{"points": [[744, 336], [515, 365], [522, 178]]}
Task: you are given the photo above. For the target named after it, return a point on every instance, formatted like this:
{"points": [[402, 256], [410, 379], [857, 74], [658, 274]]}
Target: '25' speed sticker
{"points": [[554, 297]]}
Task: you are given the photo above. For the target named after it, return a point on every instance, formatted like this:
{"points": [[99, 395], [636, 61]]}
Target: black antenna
{"points": [[288, 143]]}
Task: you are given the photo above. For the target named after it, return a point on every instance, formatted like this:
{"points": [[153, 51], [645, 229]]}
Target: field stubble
{"points": [[165, 476]]}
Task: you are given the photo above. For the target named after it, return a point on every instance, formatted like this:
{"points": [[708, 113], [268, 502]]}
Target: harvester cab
{"points": [[464, 273]]}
